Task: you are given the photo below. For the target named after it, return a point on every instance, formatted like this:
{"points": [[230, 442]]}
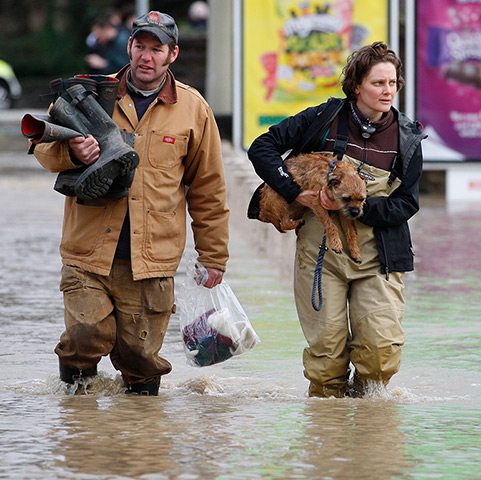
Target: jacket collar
{"points": [[410, 136], [168, 94]]}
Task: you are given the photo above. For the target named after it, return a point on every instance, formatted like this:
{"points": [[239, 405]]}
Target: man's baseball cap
{"points": [[160, 25]]}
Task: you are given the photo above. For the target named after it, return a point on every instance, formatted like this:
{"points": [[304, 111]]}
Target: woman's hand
{"points": [[310, 198], [326, 202]]}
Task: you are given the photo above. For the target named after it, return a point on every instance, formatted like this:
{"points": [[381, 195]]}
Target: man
{"points": [[120, 255]]}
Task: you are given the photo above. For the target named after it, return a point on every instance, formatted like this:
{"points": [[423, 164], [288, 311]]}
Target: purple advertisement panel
{"points": [[448, 73]]}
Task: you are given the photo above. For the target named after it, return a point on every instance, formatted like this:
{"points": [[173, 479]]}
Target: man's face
{"points": [[149, 60]]}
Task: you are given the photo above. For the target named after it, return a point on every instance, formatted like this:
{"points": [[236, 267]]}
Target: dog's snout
{"points": [[354, 212]]}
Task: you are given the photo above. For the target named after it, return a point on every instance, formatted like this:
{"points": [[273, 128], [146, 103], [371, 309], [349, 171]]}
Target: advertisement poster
{"points": [[448, 76], [294, 52]]}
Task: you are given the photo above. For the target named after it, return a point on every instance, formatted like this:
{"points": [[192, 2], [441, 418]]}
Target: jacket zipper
{"points": [[386, 267]]}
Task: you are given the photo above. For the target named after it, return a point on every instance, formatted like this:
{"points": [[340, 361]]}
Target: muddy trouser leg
{"points": [[89, 319], [326, 359], [143, 309], [376, 312]]}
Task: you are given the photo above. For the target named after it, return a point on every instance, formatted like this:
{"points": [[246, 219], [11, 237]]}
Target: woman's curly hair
{"points": [[360, 63]]}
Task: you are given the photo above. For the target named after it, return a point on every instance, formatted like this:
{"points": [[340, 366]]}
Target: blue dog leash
{"points": [[317, 285]]}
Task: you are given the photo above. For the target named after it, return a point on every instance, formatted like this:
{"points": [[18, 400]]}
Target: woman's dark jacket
{"points": [[303, 133]]}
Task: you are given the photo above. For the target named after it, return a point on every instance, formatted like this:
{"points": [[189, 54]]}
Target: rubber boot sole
{"points": [[97, 179], [66, 180]]}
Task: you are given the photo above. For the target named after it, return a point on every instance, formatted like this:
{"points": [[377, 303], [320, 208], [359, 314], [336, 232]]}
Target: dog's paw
{"points": [[336, 245], [356, 255]]}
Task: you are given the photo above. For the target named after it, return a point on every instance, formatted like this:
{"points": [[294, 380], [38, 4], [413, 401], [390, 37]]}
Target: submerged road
{"points": [[249, 417]]}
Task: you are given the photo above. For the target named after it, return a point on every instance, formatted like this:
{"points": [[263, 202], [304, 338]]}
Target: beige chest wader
{"points": [[360, 319]]}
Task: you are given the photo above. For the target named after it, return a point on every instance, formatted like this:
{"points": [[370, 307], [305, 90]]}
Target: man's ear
{"points": [[174, 54]]}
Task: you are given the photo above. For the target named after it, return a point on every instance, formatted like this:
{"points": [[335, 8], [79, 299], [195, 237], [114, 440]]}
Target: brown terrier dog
{"points": [[343, 184]]}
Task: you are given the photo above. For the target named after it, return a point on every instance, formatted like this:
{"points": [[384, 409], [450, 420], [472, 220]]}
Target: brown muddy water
{"points": [[249, 417]]}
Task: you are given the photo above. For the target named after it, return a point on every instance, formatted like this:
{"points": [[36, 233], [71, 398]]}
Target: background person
{"points": [[120, 256], [107, 45], [363, 304]]}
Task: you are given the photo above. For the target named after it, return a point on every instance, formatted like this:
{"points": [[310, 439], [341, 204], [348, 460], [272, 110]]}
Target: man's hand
{"points": [[96, 62], [215, 277], [85, 149]]}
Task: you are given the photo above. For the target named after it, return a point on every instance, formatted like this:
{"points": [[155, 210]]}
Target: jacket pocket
{"points": [[82, 229], [165, 150], [163, 240]]}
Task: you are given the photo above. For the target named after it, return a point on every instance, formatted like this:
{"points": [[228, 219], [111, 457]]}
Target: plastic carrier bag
{"points": [[213, 324]]}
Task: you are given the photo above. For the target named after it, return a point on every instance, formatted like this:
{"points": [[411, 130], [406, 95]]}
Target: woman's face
{"points": [[376, 93]]}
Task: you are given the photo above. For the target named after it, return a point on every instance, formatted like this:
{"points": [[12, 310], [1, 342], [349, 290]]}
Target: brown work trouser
{"points": [[360, 320], [118, 316]]}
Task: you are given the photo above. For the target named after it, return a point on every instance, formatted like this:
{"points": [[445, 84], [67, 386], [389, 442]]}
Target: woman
{"points": [[359, 324]]}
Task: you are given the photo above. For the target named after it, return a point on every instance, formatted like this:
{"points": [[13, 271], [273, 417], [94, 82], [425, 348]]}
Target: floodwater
{"points": [[249, 417]]}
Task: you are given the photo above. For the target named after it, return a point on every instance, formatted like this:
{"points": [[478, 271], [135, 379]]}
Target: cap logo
{"points": [[153, 17]]}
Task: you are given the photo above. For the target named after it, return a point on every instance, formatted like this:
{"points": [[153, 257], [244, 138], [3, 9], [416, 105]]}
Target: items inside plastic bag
{"points": [[213, 324]]}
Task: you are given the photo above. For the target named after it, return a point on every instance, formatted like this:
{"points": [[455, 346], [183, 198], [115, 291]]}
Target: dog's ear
{"points": [[333, 180]]}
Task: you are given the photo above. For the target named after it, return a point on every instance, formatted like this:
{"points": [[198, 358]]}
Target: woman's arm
{"points": [[266, 152], [402, 204]]}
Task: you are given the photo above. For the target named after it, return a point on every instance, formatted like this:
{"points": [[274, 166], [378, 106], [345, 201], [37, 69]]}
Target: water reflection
{"points": [[114, 436], [345, 438]]}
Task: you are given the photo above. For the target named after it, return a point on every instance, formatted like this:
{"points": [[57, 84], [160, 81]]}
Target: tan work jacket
{"points": [[180, 160]]}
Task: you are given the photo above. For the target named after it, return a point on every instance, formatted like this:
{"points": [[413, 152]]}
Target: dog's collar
{"points": [[332, 167]]}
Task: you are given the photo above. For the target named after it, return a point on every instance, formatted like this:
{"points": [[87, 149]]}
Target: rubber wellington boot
{"points": [[105, 88], [43, 128], [72, 375], [66, 114], [151, 389], [117, 159]]}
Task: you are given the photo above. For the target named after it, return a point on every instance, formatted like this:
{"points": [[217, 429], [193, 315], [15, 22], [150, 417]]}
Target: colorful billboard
{"points": [[294, 52], [448, 76]]}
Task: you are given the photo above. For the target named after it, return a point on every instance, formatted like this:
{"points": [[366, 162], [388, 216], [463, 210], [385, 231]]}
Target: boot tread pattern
{"points": [[97, 181]]}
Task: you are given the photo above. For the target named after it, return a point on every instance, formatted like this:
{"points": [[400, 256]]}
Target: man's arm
{"points": [[66, 155], [206, 196]]}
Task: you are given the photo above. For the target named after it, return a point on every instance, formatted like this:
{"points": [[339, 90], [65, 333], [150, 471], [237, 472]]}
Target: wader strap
{"points": [[318, 128], [317, 285], [394, 173], [340, 145]]}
